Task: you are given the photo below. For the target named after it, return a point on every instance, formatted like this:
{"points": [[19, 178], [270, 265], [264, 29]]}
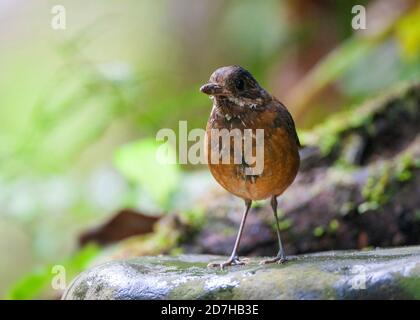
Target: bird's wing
{"points": [[285, 119]]}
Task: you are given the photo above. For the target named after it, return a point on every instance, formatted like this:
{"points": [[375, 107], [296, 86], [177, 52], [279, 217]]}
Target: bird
{"points": [[240, 103]]}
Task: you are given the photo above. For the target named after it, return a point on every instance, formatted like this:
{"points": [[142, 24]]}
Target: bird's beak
{"points": [[212, 89]]}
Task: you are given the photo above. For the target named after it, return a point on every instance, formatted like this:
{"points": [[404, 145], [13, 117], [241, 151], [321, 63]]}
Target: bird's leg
{"points": [[234, 259], [280, 257]]}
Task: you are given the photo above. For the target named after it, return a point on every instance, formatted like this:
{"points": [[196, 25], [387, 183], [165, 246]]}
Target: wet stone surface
{"points": [[376, 274]]}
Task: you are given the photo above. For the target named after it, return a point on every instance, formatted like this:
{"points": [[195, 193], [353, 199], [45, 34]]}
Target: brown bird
{"points": [[240, 103]]}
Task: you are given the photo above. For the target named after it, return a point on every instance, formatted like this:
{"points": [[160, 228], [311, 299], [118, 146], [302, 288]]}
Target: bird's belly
{"points": [[281, 163]]}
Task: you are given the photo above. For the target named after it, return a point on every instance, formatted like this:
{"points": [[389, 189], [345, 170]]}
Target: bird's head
{"points": [[234, 83]]}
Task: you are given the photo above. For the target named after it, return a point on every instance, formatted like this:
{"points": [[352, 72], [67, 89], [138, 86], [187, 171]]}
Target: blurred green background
{"points": [[80, 107]]}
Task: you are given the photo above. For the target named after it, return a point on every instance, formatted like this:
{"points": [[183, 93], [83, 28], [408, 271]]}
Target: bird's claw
{"points": [[279, 260], [233, 261]]}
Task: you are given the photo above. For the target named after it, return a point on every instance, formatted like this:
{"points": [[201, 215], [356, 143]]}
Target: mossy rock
{"points": [[375, 274]]}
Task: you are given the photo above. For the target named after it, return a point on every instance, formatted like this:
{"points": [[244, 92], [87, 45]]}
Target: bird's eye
{"points": [[240, 84]]}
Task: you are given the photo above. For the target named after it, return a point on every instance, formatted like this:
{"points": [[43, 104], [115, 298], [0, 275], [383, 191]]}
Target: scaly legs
{"points": [[281, 257], [234, 259]]}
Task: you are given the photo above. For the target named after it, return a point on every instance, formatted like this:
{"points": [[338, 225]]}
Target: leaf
{"points": [[408, 34], [137, 162], [123, 224], [33, 284], [30, 285]]}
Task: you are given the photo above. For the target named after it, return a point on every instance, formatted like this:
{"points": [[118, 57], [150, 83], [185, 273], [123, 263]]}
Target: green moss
{"points": [[319, 231], [228, 231], [329, 135], [344, 166], [367, 206], [333, 226], [417, 215], [411, 286], [404, 167], [383, 183], [285, 224], [291, 281], [166, 237], [257, 204], [375, 190], [195, 218], [176, 251], [347, 207], [368, 248], [280, 213], [391, 274], [190, 290]]}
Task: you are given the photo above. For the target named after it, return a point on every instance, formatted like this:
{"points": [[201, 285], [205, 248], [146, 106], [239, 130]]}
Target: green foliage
{"points": [[137, 162], [31, 285], [76, 106], [34, 284], [408, 35]]}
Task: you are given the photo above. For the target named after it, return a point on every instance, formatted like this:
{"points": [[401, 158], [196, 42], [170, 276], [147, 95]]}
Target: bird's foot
{"points": [[277, 259], [232, 261]]}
